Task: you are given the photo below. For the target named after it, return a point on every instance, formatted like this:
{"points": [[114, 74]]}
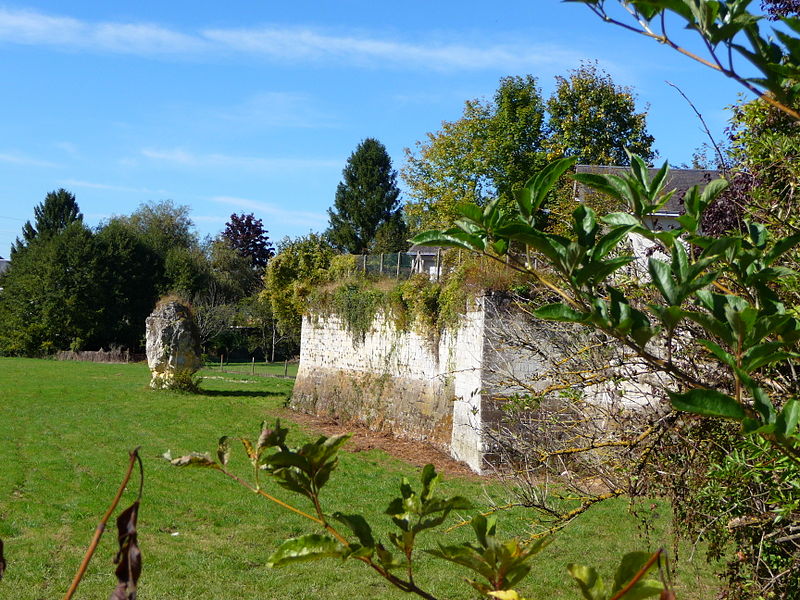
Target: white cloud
{"points": [[26, 161], [75, 183], [28, 27], [280, 44], [285, 217], [299, 45], [67, 147], [180, 157]]}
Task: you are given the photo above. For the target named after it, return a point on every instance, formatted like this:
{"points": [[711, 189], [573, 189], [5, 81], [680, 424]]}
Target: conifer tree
{"points": [[367, 200], [51, 217]]}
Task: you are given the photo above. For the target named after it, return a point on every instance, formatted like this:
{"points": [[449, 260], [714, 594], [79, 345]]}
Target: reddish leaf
{"points": [[128, 558], [2, 560]]}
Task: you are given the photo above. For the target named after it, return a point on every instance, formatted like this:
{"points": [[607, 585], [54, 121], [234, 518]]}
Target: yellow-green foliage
{"points": [[416, 303], [561, 203], [343, 266]]}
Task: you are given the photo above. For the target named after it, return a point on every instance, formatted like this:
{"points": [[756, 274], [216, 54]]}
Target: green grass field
{"points": [[254, 368], [65, 432]]}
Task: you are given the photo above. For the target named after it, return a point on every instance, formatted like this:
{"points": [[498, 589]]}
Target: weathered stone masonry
{"points": [[403, 382], [447, 389]]}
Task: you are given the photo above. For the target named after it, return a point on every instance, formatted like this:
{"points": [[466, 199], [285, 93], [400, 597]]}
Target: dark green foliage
{"points": [[50, 295], [70, 288], [167, 230], [726, 290], [126, 271], [367, 201], [52, 216]]}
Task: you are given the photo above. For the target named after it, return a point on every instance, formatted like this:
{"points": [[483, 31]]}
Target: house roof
{"points": [[678, 179]]}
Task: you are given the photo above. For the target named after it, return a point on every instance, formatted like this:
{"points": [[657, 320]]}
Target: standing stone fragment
{"points": [[173, 345]]}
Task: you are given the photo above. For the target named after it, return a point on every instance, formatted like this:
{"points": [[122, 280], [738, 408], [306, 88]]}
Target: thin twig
{"points": [[722, 162], [101, 527]]}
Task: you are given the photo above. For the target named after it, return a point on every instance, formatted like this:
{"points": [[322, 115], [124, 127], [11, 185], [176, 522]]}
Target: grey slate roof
{"points": [[679, 179]]}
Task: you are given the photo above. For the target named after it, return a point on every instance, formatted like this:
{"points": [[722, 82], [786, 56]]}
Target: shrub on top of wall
{"points": [[419, 303]]}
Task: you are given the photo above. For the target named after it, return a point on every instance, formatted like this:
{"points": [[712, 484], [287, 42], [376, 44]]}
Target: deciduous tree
{"points": [[299, 264], [247, 235], [491, 150], [595, 119]]}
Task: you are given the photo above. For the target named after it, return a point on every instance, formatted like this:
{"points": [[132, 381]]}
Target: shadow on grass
{"points": [[232, 393]]}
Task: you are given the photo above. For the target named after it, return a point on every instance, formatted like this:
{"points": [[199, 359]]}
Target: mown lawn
{"points": [[65, 432], [279, 369]]}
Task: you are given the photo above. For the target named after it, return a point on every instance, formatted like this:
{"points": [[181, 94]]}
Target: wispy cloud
{"points": [[26, 161], [75, 183], [303, 45], [280, 44], [34, 28], [183, 158], [286, 217]]}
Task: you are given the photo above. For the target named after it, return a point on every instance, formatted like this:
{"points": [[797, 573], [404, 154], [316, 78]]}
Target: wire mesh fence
{"points": [[401, 265]]}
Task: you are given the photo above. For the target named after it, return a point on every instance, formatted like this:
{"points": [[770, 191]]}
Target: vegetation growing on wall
{"points": [[416, 303]]}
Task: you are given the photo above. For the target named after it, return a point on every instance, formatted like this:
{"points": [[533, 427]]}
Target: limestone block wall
{"points": [[449, 389], [408, 383]]}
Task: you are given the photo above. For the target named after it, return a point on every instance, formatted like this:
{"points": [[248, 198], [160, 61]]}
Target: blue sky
{"points": [[254, 106]]}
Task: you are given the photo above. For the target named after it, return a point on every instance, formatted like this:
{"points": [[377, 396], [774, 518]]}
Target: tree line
{"points": [[74, 287]]}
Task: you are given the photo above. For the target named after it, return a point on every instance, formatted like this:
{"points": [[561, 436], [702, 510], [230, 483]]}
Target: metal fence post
{"points": [[381, 272], [399, 254]]}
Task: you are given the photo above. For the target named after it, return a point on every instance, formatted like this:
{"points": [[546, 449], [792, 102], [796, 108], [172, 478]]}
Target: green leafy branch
{"points": [[305, 470], [724, 286], [726, 29]]}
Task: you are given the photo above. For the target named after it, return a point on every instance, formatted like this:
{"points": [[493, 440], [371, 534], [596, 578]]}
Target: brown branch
{"points": [[663, 39], [569, 516], [277, 501], [618, 444], [101, 527], [641, 573]]}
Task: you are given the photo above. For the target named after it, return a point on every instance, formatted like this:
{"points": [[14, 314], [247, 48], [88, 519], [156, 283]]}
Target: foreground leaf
{"points": [[195, 459], [129, 557], [307, 547], [710, 403], [591, 584]]}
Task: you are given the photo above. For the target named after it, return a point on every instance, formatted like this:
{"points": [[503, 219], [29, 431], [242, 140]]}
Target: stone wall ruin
{"points": [[449, 389]]}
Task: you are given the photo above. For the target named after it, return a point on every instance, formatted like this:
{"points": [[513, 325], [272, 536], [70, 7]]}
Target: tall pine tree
{"points": [[367, 201], [52, 216]]}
